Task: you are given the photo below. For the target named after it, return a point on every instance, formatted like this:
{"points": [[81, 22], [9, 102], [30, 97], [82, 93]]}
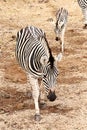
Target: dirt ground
{"points": [[69, 111]]}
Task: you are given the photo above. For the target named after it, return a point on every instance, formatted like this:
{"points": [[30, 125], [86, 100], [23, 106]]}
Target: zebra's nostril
{"points": [[51, 96], [57, 39]]}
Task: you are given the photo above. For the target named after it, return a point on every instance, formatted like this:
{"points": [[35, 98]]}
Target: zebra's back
{"points": [[29, 49]]}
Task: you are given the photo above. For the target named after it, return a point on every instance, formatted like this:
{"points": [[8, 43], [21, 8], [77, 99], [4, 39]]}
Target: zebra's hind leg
{"points": [[35, 94], [42, 105]]}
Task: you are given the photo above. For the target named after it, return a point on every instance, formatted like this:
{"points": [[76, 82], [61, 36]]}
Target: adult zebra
{"points": [[83, 5], [35, 56], [61, 21]]}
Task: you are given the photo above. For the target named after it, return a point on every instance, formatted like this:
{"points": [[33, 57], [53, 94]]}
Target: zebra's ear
{"points": [[59, 57], [44, 60]]}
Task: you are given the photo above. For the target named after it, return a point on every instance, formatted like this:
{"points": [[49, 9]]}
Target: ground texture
{"points": [[69, 111]]}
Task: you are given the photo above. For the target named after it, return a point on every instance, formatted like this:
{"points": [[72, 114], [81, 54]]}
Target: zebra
{"points": [[35, 57], [60, 25], [83, 6]]}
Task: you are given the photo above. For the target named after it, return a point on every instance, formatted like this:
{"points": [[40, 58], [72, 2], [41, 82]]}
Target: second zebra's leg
{"points": [[62, 45], [62, 40], [35, 94], [84, 11]]}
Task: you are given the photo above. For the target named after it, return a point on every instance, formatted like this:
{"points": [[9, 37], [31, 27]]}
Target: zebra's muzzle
{"points": [[57, 39], [51, 96]]}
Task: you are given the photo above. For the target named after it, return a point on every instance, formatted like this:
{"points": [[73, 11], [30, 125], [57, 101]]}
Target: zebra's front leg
{"points": [[62, 44], [62, 40], [35, 93]]}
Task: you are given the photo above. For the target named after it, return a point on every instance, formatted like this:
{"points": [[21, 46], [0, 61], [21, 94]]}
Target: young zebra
{"points": [[34, 55], [83, 5], [61, 21]]}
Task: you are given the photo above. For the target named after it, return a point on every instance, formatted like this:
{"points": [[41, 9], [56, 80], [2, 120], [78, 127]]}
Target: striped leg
{"points": [[42, 97], [62, 40], [35, 93], [84, 11]]}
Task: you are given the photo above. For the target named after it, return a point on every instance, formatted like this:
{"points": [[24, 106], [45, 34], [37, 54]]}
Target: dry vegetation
{"points": [[69, 111]]}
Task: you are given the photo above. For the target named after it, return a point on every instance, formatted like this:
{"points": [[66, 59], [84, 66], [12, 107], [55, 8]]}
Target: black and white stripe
{"points": [[35, 56], [83, 6], [61, 21], [82, 3], [31, 47]]}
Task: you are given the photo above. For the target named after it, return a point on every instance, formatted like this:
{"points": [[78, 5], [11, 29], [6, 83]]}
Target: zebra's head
{"points": [[59, 26], [61, 20], [49, 77], [50, 74]]}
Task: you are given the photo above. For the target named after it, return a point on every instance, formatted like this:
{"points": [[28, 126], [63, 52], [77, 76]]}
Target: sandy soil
{"points": [[69, 111]]}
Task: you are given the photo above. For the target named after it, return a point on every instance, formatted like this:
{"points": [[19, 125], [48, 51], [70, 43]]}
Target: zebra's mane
{"points": [[51, 58]]}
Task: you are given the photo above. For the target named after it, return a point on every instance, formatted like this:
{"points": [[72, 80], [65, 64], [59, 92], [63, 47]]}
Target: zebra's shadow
{"points": [[57, 109], [12, 100]]}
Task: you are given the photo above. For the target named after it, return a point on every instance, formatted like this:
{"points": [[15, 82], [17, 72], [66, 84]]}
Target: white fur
{"points": [[84, 11]]}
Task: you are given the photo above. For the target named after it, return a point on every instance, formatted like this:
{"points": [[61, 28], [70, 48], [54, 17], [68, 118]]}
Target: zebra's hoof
{"points": [[37, 117], [42, 105]]}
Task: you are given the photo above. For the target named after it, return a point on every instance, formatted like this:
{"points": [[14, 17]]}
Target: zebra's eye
{"points": [[45, 75]]}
